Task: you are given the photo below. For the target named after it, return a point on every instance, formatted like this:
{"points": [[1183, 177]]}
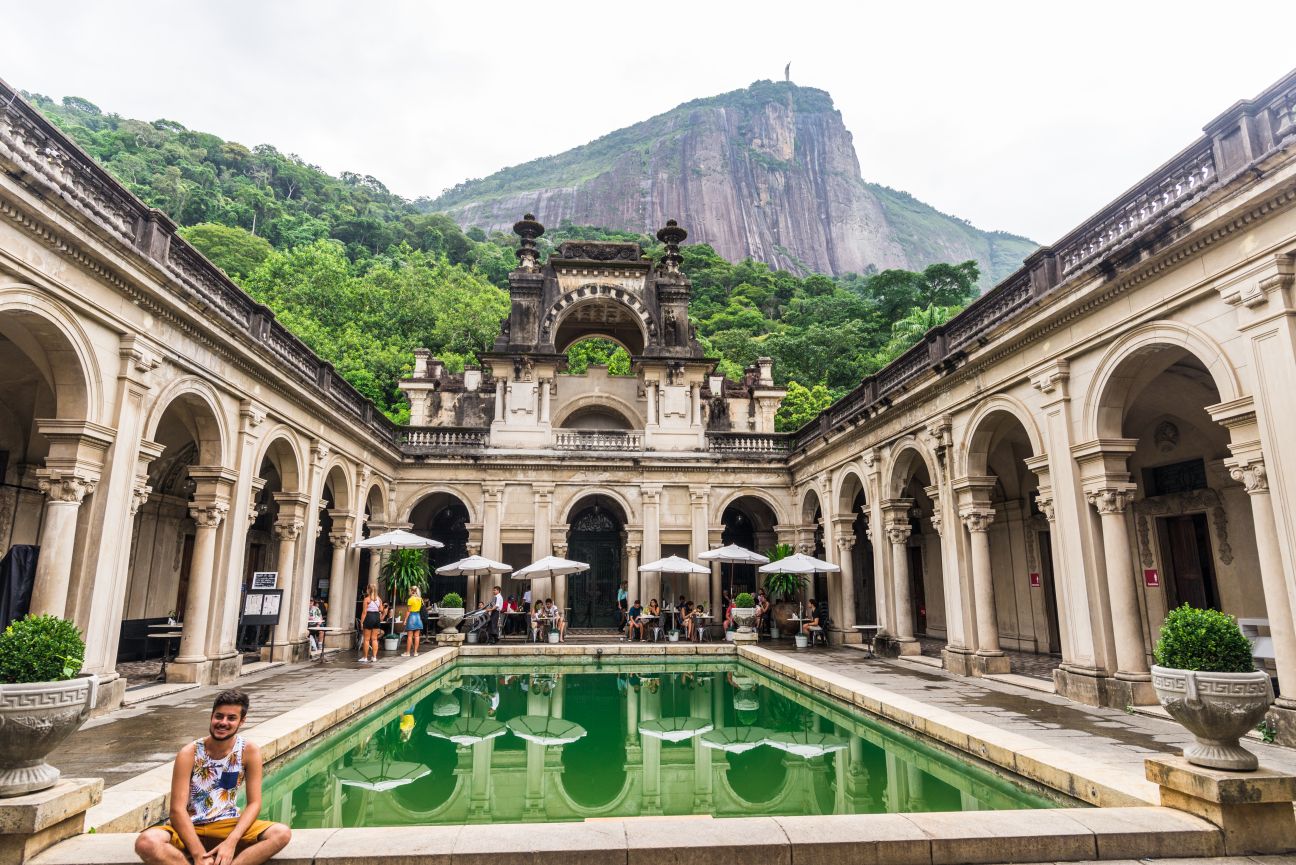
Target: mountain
{"points": [[768, 172]]}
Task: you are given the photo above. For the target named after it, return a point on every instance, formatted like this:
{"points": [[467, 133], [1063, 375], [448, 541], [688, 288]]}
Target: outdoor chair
{"points": [[820, 631]]}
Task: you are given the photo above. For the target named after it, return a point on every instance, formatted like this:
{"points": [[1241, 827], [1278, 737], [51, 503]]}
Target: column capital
{"points": [[650, 493], [288, 529], [898, 533], [938, 521], [560, 549], [139, 495], [543, 492], [251, 415], [1111, 499], [1250, 471], [1052, 379], [210, 514], [845, 544], [63, 487], [1044, 499], [977, 519], [698, 495], [632, 549], [320, 451], [473, 547], [340, 540], [492, 493]]}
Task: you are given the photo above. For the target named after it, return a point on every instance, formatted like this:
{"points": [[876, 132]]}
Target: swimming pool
{"points": [[489, 742]]}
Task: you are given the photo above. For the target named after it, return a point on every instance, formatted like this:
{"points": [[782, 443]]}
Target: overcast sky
{"points": [[1025, 117]]}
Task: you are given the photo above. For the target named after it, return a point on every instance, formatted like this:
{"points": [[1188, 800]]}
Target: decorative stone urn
{"points": [[34, 720], [1218, 709], [449, 619], [744, 616], [782, 614]]}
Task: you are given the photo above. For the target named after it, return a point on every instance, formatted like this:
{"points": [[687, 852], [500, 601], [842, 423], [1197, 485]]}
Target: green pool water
{"points": [[502, 743]]}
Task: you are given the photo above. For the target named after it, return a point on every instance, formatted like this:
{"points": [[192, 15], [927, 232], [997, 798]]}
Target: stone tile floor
{"points": [[1108, 736], [133, 740], [1029, 664]]}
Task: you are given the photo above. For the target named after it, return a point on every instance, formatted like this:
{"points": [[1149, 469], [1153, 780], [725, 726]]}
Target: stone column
{"points": [[545, 384], [340, 539], [897, 532], [287, 530], [560, 583], [471, 596], [500, 385], [846, 559], [492, 501], [1251, 472], [650, 495], [650, 391], [63, 496], [542, 539], [1131, 657], [701, 585], [632, 572], [190, 663], [989, 657]]}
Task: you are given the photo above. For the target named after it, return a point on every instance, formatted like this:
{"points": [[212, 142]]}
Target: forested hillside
{"points": [[365, 278]]}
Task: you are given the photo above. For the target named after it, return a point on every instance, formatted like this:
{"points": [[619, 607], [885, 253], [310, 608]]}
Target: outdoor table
{"points": [[323, 631], [699, 625], [867, 636], [542, 628], [515, 614], [647, 619], [166, 636]]}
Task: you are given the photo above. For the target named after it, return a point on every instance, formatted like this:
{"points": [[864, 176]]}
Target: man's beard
{"points": [[218, 737]]}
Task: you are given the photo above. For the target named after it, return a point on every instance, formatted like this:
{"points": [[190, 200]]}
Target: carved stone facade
{"points": [[1093, 441]]}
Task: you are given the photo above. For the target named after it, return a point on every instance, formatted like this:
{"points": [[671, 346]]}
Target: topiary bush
{"points": [[1204, 640], [452, 600], [40, 649], [744, 599]]}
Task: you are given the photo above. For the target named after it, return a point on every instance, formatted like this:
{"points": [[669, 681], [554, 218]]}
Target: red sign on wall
{"points": [[1151, 578], [1035, 582]]}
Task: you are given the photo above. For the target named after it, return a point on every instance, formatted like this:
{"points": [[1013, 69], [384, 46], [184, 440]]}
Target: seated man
{"points": [[558, 621], [812, 617], [205, 820], [633, 623]]}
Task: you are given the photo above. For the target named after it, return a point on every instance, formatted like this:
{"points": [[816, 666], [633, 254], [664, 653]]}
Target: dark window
{"points": [[1175, 478]]}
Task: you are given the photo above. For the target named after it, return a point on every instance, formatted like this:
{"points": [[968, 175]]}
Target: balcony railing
{"points": [[773, 444], [598, 440], [433, 440]]}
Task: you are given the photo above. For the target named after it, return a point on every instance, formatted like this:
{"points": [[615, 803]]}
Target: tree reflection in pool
{"points": [[495, 743]]}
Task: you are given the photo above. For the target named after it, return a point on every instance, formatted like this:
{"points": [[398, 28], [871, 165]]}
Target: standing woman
{"points": [[413, 623], [372, 624]]}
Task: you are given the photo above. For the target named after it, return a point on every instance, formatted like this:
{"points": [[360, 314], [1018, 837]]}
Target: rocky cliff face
{"points": [[768, 172]]}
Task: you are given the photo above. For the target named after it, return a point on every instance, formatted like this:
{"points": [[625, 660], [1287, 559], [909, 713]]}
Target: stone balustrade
{"points": [[598, 440]]}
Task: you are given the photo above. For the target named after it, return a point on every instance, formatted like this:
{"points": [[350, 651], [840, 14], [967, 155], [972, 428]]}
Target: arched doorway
{"points": [[853, 542], [596, 536], [749, 522], [917, 578], [443, 517]]}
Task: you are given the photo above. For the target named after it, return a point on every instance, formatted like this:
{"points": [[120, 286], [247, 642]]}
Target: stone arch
{"points": [[1117, 377], [281, 447], [583, 809], [849, 484], [633, 322], [811, 501], [209, 429], [412, 500], [906, 455], [580, 494], [375, 499], [340, 477], [604, 401], [51, 338], [983, 426], [780, 512]]}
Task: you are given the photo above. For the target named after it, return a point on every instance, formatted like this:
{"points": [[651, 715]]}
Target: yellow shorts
{"points": [[218, 830]]}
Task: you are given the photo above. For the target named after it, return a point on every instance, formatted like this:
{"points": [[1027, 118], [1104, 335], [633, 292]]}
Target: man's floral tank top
{"points": [[213, 787]]}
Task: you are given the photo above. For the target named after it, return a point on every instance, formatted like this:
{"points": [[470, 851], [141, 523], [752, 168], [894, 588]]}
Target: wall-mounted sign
{"points": [[1151, 578], [265, 580], [1035, 581]]}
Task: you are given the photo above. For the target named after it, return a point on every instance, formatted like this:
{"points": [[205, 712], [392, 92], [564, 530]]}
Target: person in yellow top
{"points": [[413, 623]]}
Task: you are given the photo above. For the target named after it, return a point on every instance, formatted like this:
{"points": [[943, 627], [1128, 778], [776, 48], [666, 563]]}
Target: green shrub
{"points": [[452, 600], [1205, 640], [744, 599], [40, 649]]}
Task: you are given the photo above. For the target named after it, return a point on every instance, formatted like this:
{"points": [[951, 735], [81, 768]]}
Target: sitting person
{"points": [[510, 622], [633, 622], [762, 608], [557, 620], [812, 620], [697, 621], [205, 821]]}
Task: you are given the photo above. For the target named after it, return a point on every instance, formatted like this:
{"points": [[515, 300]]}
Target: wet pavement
{"points": [[1107, 736], [133, 740], [1036, 666]]}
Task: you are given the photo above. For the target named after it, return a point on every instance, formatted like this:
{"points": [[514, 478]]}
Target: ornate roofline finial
{"points": [[528, 256], [672, 235]]}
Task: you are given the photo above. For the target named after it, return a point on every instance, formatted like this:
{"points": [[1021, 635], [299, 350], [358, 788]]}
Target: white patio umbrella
{"points": [[675, 729], [807, 744], [466, 731], [799, 563], [735, 740], [397, 540], [673, 565], [544, 730], [474, 566], [381, 775], [733, 555], [548, 568]]}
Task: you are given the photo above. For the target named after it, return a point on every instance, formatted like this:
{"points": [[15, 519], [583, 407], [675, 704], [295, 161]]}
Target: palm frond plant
{"points": [[782, 586], [404, 570]]}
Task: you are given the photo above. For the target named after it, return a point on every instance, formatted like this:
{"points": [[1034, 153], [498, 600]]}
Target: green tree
{"points": [[800, 406], [234, 250]]}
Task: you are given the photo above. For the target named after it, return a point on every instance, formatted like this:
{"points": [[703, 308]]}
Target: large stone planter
{"points": [[34, 719], [1218, 709], [743, 617], [449, 619], [782, 614]]}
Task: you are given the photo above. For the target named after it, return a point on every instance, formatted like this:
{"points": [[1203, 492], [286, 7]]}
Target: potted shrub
{"points": [[43, 700], [451, 612], [1206, 680], [673, 635], [744, 612], [784, 589]]}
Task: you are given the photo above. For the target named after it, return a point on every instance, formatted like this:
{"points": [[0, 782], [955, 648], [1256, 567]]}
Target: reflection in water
{"points": [[507, 743]]}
